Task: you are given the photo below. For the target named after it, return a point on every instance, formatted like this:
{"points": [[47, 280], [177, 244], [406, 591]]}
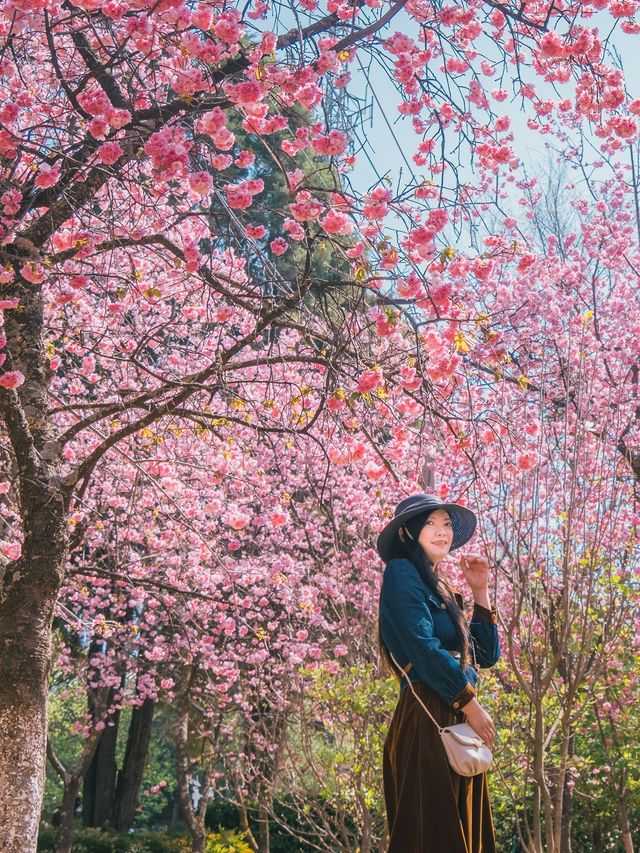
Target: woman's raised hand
{"points": [[475, 569]]}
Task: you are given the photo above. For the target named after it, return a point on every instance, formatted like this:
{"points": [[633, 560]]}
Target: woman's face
{"points": [[437, 535]]}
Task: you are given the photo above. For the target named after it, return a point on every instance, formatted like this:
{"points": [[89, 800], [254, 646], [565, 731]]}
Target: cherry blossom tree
{"points": [[554, 462], [222, 644], [129, 312]]}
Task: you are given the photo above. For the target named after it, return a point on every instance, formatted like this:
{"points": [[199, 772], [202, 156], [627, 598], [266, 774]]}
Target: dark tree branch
{"points": [[98, 71], [365, 32], [190, 386]]}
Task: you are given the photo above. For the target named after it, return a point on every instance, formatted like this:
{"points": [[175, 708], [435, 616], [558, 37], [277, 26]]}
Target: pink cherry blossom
{"points": [[624, 126], [221, 161], [238, 196], [109, 153], [11, 550], [294, 229], [236, 519], [278, 518], [369, 380], [552, 45], [201, 18], [256, 231], [375, 471], [12, 379], [8, 148], [305, 208], [279, 246], [98, 127], [331, 144], [247, 92], [376, 203], [527, 461], [212, 122], [118, 118], [48, 175], [10, 201], [336, 222], [200, 183], [79, 282], [228, 27], [245, 159], [33, 272]]}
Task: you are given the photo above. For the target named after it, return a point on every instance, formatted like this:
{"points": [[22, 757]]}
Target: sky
{"points": [[386, 139]]}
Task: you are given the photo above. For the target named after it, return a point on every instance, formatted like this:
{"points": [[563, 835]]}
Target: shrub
{"points": [[101, 841], [227, 841], [97, 841], [158, 842]]}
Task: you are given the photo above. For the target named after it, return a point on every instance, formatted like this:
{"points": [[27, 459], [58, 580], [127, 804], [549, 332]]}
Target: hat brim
{"points": [[463, 521]]}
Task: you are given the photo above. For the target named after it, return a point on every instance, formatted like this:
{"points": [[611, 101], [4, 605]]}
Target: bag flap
{"points": [[465, 735]]}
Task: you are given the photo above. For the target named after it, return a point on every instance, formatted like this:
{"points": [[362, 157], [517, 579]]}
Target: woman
{"points": [[430, 809]]}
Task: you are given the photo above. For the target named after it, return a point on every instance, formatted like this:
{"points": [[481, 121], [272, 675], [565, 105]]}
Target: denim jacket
{"points": [[416, 627]]}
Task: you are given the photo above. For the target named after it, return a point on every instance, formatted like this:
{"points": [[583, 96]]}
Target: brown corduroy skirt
{"points": [[430, 809]]}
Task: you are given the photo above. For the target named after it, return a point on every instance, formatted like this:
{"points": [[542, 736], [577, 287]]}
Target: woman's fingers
{"points": [[482, 723], [489, 736], [474, 559]]}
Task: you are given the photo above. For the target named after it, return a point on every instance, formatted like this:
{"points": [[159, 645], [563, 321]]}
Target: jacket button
{"points": [[443, 606]]}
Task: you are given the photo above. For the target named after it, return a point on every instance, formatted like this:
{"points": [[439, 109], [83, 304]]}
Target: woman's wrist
{"points": [[471, 707], [481, 597]]}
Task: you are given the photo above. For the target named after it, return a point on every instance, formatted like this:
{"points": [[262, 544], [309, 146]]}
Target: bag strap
{"points": [[404, 672]]}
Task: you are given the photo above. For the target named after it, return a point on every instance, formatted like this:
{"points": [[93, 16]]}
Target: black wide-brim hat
{"points": [[463, 521]]}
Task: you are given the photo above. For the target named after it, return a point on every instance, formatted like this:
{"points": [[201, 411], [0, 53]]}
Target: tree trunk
{"points": [[130, 777], [198, 841], [67, 814], [264, 840], [537, 790], [99, 783], [193, 816], [29, 585], [623, 820], [243, 817], [28, 592], [367, 829], [567, 801]]}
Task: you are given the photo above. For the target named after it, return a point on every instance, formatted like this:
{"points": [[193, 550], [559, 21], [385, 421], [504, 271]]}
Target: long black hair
{"points": [[406, 545]]}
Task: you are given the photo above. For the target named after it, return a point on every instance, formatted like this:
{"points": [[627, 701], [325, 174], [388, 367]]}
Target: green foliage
{"points": [[66, 705], [99, 841], [221, 813], [47, 839], [92, 841], [227, 842], [351, 704], [160, 767], [604, 760], [335, 774], [327, 263], [158, 842]]}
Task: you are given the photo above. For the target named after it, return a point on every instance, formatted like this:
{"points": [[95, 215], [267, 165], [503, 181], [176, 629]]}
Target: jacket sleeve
{"points": [[408, 612], [484, 636]]}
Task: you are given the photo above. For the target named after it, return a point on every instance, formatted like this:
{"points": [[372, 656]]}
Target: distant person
{"points": [[430, 808]]}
